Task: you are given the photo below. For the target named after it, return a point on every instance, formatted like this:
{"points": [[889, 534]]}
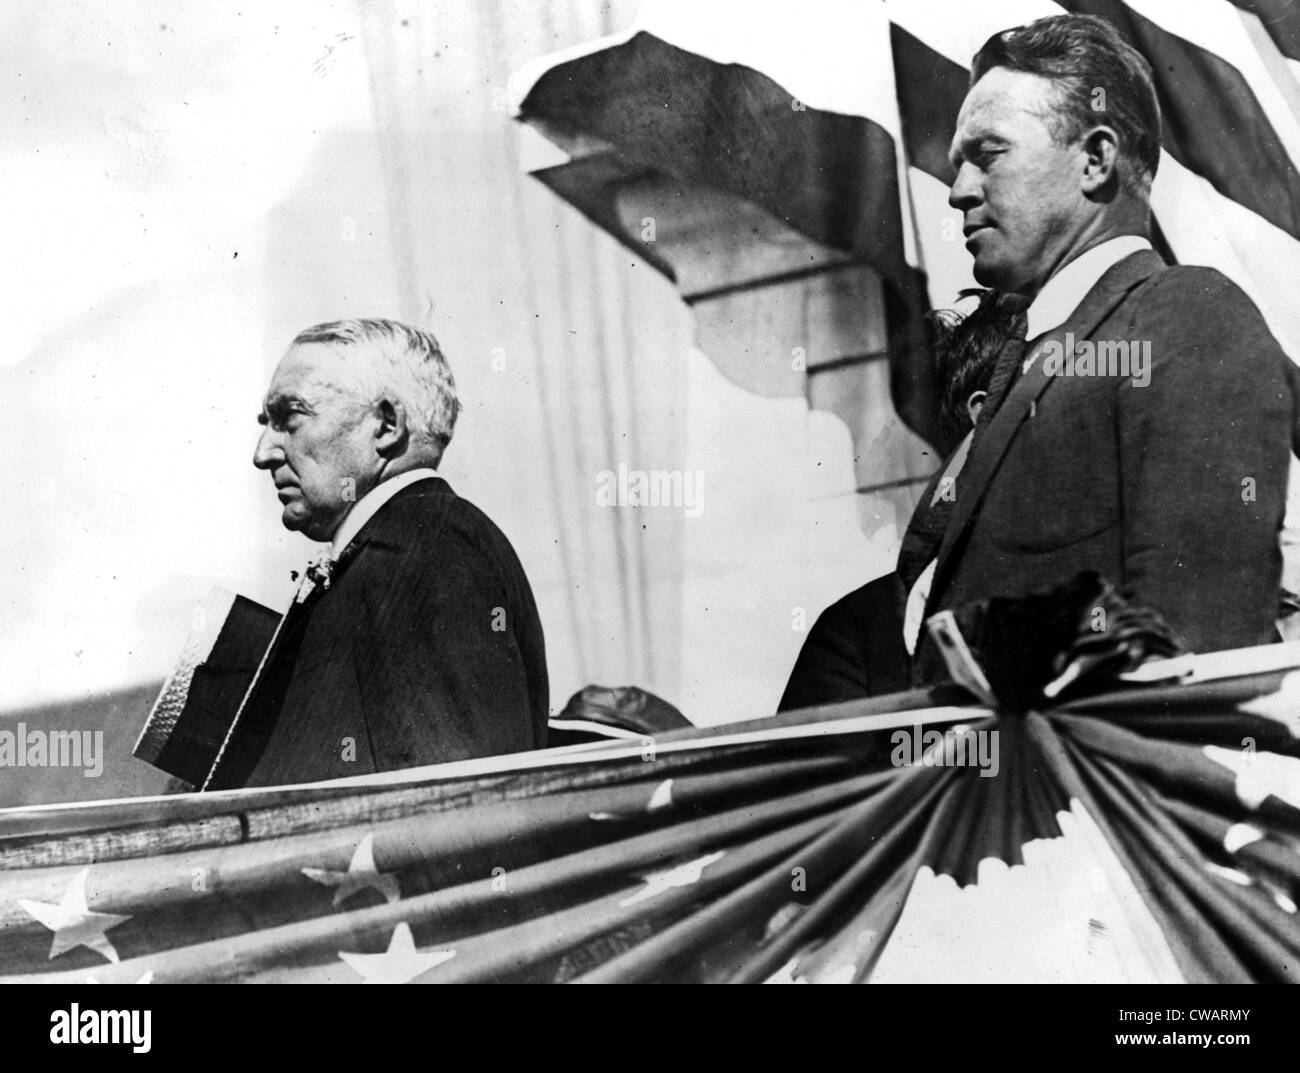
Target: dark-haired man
{"points": [[1161, 460]]}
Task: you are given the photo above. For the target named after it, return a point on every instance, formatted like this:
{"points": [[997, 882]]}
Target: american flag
{"points": [[823, 127], [1150, 833]]}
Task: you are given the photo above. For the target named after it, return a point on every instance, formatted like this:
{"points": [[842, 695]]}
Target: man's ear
{"points": [[1101, 163], [391, 432], [975, 404]]}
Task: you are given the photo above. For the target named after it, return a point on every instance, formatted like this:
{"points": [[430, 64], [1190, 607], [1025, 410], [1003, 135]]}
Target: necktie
{"points": [[922, 539], [930, 521], [1010, 358]]}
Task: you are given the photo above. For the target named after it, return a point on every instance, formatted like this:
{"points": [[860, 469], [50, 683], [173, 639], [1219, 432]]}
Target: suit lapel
{"points": [[374, 531], [255, 721], [917, 528], [973, 481], [925, 529]]}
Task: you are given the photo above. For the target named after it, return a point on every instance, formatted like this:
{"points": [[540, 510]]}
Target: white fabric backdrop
{"points": [[196, 184]]}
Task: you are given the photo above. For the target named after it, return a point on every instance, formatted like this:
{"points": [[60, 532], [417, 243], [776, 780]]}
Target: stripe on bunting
{"points": [[1279, 21], [1214, 124], [821, 151], [1201, 224]]}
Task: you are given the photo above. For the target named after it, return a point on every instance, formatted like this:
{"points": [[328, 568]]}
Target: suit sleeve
{"points": [[855, 649], [1203, 450], [440, 671]]}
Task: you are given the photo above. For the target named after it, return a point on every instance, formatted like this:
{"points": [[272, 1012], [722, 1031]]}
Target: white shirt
{"points": [[368, 506], [1051, 307], [1062, 294]]}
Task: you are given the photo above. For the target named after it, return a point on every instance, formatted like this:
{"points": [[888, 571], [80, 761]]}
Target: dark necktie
{"points": [[1005, 371], [922, 539], [926, 531]]}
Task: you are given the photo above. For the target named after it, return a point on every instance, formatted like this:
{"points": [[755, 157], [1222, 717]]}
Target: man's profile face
{"points": [[1019, 191], [316, 440]]}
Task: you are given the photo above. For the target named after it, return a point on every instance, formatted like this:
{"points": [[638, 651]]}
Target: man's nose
{"points": [[268, 453], [965, 190]]}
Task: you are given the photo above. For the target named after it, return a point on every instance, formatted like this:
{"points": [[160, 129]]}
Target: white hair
{"points": [[400, 362]]}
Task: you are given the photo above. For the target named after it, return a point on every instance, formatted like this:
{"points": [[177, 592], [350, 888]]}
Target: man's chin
{"points": [[296, 520], [990, 273], [999, 276], [308, 525]]}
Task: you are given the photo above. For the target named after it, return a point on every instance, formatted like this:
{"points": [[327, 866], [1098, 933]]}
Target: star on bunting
{"points": [[661, 798], [785, 974], [147, 978], [400, 963], [361, 875], [74, 923], [681, 876]]}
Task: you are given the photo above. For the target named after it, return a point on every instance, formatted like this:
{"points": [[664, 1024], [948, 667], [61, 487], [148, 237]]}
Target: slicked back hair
{"points": [[1099, 78], [389, 359]]}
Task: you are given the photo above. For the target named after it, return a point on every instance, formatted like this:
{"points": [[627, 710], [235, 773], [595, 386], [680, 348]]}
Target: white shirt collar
{"points": [[368, 506], [1062, 293]]}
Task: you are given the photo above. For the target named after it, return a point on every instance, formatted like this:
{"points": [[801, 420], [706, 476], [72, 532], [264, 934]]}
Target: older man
{"points": [[1142, 427], [416, 639]]}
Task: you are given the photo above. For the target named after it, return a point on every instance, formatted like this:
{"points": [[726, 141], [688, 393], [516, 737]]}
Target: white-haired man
{"points": [[417, 640]]}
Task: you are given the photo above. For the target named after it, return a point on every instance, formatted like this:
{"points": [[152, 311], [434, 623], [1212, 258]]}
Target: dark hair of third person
{"points": [[966, 349]]}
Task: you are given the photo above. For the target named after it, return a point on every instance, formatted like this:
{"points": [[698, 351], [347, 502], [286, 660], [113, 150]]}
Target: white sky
{"points": [[153, 136], [154, 140]]}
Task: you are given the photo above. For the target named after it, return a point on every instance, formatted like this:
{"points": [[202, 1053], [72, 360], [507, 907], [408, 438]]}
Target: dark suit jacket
{"points": [[427, 647], [855, 649], [1143, 484]]}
